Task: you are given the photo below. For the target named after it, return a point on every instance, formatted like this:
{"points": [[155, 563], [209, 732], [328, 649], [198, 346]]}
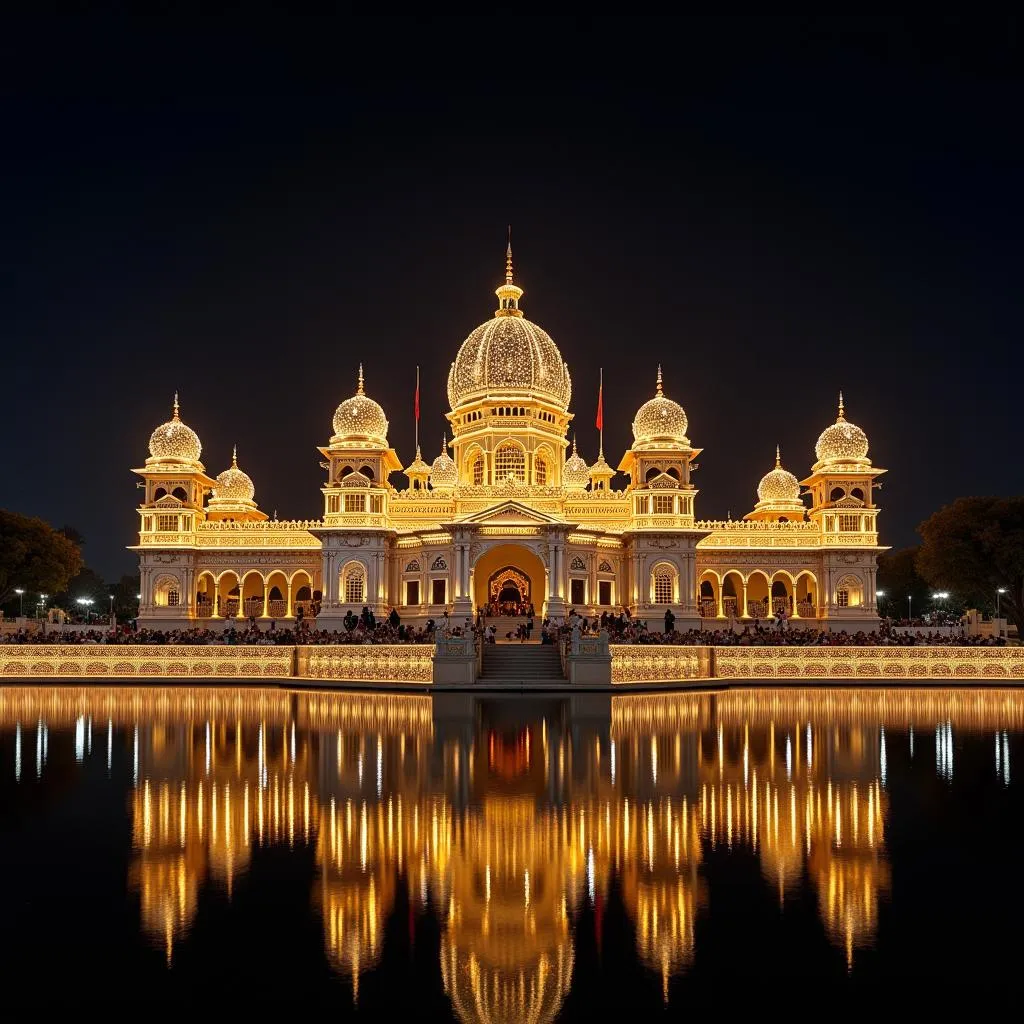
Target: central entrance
{"points": [[507, 579]]}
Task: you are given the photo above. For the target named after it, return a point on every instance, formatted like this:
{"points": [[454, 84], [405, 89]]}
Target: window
{"points": [[664, 579], [147, 523], [412, 591], [578, 591], [478, 468], [836, 494], [355, 584], [641, 506], [173, 597], [843, 598], [604, 592], [439, 591], [509, 462], [167, 524], [849, 524], [540, 471], [355, 503], [333, 503], [179, 493], [376, 503], [663, 504]]}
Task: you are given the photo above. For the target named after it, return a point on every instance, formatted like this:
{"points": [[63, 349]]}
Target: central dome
{"points": [[509, 353]]}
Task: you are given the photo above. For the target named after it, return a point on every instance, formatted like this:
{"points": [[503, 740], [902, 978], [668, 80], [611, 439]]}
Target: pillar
{"points": [[721, 607], [266, 600], [744, 613], [288, 598]]}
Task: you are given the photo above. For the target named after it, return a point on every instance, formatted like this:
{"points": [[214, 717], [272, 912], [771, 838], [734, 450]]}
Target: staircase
{"points": [[510, 624], [521, 664]]}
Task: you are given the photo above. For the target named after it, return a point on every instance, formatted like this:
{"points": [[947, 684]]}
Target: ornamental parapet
{"points": [[125, 661], [380, 663], [271, 533], [759, 534], [655, 663]]}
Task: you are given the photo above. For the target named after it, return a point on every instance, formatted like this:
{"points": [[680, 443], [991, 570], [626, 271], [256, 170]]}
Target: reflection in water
{"points": [[506, 817]]}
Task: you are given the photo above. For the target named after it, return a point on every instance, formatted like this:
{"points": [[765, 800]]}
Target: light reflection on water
{"points": [[507, 819]]}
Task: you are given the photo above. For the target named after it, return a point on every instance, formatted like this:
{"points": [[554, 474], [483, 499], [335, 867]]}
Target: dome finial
{"points": [[234, 457], [359, 388], [659, 390], [574, 444], [778, 457], [842, 409], [176, 416], [508, 257]]}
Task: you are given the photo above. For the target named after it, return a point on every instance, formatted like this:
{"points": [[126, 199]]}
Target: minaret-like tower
{"points": [[841, 485], [417, 471]]}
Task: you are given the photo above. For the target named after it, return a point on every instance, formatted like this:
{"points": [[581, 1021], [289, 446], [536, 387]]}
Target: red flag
{"points": [[417, 394], [600, 403]]}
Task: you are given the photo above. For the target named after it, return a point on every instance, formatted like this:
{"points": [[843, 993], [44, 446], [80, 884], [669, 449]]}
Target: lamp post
{"points": [[86, 603], [940, 596], [999, 592], [21, 601], [910, 608], [42, 604]]}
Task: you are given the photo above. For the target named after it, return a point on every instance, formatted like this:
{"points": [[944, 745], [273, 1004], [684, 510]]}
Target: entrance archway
{"points": [[507, 570]]}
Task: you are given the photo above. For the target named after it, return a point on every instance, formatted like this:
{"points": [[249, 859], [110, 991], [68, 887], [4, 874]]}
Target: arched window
{"points": [[837, 494], [160, 492], [664, 584], [849, 592], [167, 592], [367, 471], [354, 580], [179, 493], [476, 466], [540, 470], [509, 462]]}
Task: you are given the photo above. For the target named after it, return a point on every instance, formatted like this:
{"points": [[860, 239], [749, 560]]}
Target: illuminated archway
{"points": [[509, 565]]}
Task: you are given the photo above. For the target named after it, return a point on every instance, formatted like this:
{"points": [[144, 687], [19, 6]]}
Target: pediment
{"points": [[168, 501], [848, 502], [511, 513]]}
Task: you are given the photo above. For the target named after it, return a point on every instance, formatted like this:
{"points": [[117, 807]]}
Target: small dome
{"points": [[601, 470], [360, 416], [575, 472], [174, 441], [417, 467], [233, 485], [843, 441], [444, 474], [778, 484], [509, 353], [660, 419]]}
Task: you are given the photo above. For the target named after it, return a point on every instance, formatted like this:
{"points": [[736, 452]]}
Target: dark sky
{"points": [[243, 210]]}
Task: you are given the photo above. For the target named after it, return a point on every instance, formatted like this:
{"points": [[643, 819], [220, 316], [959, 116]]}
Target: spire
{"points": [[234, 457], [659, 390], [842, 410], [508, 294], [419, 457], [508, 257], [359, 389], [176, 416], [778, 457], [444, 444]]}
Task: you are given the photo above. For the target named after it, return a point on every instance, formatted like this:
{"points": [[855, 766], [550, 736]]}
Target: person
{"points": [[670, 620], [529, 623], [393, 619]]}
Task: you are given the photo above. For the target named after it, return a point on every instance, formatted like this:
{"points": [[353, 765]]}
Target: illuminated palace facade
{"points": [[509, 510]]}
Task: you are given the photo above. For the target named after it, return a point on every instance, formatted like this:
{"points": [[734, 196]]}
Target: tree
{"points": [[34, 556], [899, 579], [126, 597], [85, 583], [975, 546]]}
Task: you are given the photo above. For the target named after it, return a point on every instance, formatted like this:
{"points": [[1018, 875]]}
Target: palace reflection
{"points": [[505, 816]]}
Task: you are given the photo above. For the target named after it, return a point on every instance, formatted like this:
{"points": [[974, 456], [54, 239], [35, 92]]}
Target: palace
{"points": [[509, 514]]}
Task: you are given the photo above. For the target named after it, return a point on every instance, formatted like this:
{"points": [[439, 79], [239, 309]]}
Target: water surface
{"points": [[505, 858]]}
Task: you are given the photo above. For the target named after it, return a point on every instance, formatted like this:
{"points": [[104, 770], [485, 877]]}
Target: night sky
{"points": [[242, 211]]}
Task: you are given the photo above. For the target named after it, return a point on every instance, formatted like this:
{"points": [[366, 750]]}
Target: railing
{"points": [[758, 609], [708, 608]]}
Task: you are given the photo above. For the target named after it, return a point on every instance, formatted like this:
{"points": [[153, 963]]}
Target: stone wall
{"points": [[124, 661], [651, 663], [378, 663]]}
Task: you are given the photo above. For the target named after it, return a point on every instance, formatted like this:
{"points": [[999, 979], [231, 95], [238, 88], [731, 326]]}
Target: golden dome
{"points": [[843, 441], [417, 467], [601, 470], [509, 353], [233, 485], [778, 484], [575, 472], [444, 474], [360, 416], [174, 441], [660, 419]]}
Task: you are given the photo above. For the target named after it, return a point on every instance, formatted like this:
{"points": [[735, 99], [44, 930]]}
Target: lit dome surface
{"points": [[175, 441], [660, 419], [509, 353], [843, 441], [233, 485], [444, 473], [360, 416], [575, 472], [778, 484]]}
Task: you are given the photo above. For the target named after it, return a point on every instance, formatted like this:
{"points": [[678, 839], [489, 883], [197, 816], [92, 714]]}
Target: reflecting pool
{"points": [[505, 858]]}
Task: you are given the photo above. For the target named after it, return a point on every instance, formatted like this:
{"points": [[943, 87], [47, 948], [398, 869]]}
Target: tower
{"points": [[841, 486]]}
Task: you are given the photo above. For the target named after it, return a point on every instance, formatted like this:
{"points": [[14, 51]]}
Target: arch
{"points": [[180, 493], [542, 463], [757, 589], [782, 591], [518, 558], [301, 595], [673, 472], [857, 493], [509, 462], [253, 590], [709, 589], [807, 594], [160, 492], [277, 594], [167, 591], [733, 590], [849, 591], [836, 494], [227, 594], [367, 471], [475, 465], [664, 583], [353, 583], [652, 473], [206, 594]]}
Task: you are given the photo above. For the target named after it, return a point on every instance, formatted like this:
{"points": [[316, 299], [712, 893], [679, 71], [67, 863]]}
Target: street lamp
{"points": [[940, 596], [999, 592], [910, 608], [86, 603], [42, 604], [21, 601]]}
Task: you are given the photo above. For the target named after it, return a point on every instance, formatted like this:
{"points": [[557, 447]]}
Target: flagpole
{"points": [[417, 408], [600, 391]]}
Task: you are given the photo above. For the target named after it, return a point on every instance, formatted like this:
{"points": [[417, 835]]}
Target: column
{"points": [[266, 600], [288, 598], [721, 607], [744, 614], [457, 572], [240, 613]]}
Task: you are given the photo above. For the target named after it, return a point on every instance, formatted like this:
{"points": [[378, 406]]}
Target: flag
{"points": [[600, 403], [417, 394]]}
